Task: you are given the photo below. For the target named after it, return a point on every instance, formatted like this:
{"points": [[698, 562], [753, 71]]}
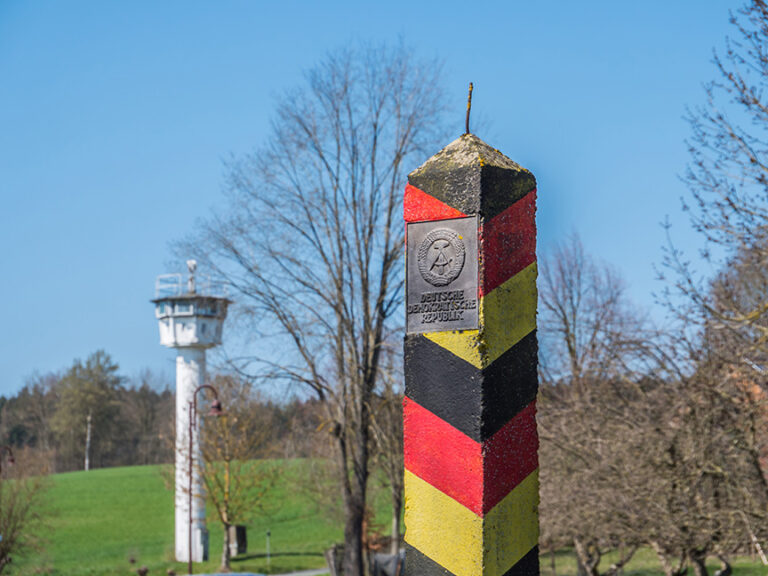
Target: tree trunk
{"points": [[354, 487], [588, 557], [699, 563], [225, 567], [725, 567], [354, 553], [665, 561], [617, 568], [353, 534], [397, 506]]}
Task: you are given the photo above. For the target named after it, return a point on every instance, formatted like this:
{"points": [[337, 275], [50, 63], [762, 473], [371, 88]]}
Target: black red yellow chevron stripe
{"points": [[471, 448]]}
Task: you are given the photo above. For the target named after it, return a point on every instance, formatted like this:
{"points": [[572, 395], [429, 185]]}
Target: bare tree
{"points": [[593, 344], [705, 493], [727, 177], [22, 487], [588, 327], [645, 440], [312, 245], [236, 475], [728, 205]]}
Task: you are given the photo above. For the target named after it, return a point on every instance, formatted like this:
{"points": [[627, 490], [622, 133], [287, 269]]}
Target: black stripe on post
{"points": [[457, 392], [418, 563]]}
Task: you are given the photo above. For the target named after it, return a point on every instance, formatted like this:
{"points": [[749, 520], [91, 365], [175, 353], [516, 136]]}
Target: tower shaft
{"points": [[190, 373]]}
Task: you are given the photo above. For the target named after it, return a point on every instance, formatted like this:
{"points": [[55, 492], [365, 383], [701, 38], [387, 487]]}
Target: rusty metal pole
{"points": [[215, 411], [471, 446]]}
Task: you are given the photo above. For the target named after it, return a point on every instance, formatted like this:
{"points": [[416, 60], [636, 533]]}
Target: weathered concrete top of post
{"points": [[473, 177]]}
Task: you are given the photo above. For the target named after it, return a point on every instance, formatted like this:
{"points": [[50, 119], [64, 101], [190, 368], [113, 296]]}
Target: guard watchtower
{"points": [[191, 319]]}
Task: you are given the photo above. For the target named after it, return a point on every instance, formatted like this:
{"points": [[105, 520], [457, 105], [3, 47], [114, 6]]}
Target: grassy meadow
{"points": [[97, 520], [643, 563]]}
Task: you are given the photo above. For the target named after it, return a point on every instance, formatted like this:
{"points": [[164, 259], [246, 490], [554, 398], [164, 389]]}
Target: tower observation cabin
{"points": [[189, 315]]}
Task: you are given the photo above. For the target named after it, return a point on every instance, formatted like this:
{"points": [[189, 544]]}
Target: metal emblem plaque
{"points": [[441, 275]]}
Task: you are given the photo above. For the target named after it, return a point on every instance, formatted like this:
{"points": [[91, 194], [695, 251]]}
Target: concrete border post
{"points": [[471, 446]]}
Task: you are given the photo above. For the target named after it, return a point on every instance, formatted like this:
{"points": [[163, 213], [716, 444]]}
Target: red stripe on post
{"points": [[418, 206], [439, 454], [478, 476], [511, 455], [509, 243]]}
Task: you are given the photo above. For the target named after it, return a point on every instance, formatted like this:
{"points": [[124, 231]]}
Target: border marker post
{"points": [[471, 446]]}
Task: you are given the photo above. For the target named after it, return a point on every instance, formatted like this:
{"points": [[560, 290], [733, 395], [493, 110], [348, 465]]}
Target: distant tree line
{"points": [[132, 419]]}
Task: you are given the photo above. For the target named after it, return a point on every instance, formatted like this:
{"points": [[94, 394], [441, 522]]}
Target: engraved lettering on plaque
{"points": [[441, 275]]}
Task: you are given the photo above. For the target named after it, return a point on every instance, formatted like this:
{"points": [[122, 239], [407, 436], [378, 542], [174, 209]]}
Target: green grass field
{"points": [[643, 563], [97, 520]]}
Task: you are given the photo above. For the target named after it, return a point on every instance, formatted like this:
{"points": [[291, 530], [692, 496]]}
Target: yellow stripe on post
{"points": [[512, 528], [465, 344], [442, 529], [507, 315], [463, 542]]}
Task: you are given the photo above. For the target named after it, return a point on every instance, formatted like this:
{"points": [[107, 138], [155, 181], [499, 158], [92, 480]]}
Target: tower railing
{"points": [[175, 285]]}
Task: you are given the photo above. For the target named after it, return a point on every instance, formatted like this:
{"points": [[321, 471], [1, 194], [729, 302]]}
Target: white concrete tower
{"points": [[191, 319]]}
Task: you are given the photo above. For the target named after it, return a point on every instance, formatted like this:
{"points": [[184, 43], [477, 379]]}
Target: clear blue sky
{"points": [[115, 116]]}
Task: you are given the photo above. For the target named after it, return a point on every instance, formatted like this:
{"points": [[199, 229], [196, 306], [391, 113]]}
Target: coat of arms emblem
{"points": [[441, 256]]}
